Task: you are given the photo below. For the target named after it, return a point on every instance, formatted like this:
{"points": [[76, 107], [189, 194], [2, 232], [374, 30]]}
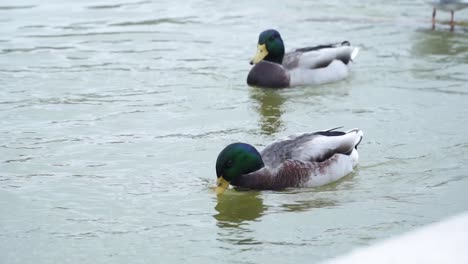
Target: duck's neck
{"points": [[275, 58], [261, 179], [275, 51]]}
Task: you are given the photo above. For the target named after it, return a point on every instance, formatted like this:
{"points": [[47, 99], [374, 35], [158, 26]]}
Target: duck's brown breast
{"points": [[292, 173], [268, 74]]}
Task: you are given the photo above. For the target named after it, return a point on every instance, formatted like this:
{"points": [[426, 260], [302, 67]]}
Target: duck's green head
{"points": [[234, 161], [270, 47]]}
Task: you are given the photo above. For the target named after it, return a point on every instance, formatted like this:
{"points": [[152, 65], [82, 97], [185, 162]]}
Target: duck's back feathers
{"points": [[312, 147], [319, 56]]}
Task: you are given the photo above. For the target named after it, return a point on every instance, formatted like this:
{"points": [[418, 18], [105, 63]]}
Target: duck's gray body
{"points": [[305, 160]]}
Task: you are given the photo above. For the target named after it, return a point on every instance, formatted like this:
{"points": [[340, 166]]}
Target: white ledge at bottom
{"points": [[441, 242]]}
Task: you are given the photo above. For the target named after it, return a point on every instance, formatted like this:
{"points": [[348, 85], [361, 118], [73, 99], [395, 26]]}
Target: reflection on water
{"points": [[269, 107], [429, 42], [237, 207], [460, 26], [302, 200], [446, 49], [235, 210], [306, 205]]}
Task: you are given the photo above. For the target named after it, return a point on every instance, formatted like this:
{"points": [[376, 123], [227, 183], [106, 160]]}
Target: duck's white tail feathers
{"points": [[352, 138], [357, 134], [338, 164], [354, 53]]}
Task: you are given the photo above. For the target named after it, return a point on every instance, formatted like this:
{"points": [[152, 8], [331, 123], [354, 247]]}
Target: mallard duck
{"points": [[303, 160], [448, 6], [306, 66]]}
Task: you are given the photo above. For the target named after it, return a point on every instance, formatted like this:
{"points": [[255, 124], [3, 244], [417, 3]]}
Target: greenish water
{"points": [[112, 115]]}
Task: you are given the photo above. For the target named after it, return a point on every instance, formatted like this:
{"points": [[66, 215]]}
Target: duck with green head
{"points": [[303, 160], [305, 66]]}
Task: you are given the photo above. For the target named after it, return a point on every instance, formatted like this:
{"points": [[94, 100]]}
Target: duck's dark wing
{"points": [[319, 56], [317, 146]]}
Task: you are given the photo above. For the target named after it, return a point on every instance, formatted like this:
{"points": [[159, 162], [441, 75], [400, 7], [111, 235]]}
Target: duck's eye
{"points": [[271, 38], [228, 164]]}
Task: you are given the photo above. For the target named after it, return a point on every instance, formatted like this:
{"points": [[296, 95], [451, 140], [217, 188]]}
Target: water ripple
{"points": [[104, 33], [117, 5], [206, 134], [35, 49], [182, 20], [16, 7], [18, 160]]}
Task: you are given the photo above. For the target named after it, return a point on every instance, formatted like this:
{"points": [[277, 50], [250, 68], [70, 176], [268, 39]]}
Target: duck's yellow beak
{"points": [[221, 186], [262, 52]]}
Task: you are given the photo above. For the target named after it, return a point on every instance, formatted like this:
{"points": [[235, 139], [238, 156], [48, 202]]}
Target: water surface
{"points": [[112, 114]]}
